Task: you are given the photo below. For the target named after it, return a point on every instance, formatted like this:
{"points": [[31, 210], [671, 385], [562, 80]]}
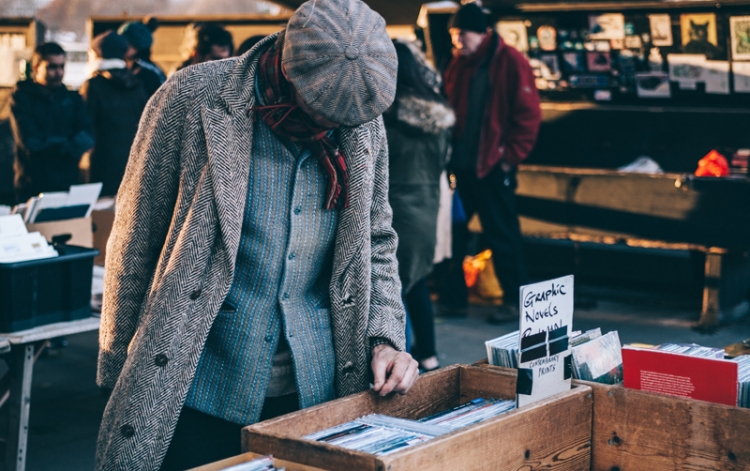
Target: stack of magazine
{"points": [[264, 463], [743, 380], [692, 349], [470, 413], [380, 435], [597, 357], [503, 351]]}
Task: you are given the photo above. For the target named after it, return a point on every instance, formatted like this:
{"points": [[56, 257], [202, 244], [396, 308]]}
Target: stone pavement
{"points": [[66, 406]]}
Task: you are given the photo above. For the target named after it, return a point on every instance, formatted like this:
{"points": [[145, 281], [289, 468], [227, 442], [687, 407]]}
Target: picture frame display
{"points": [[514, 34], [740, 31]]}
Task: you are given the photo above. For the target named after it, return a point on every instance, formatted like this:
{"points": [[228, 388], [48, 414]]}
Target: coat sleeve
{"points": [[83, 138], [525, 115], [145, 204], [387, 316], [27, 132]]}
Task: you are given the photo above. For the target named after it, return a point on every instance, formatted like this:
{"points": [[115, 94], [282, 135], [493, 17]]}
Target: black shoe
{"points": [[442, 310], [503, 315]]}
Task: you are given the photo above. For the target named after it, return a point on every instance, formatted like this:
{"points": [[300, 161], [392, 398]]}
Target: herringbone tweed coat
{"points": [[170, 258]]}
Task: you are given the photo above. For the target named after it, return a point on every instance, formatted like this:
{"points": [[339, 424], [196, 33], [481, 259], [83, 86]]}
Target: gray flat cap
{"points": [[340, 60]]}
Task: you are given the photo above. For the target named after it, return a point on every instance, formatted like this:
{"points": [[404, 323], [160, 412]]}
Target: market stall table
{"points": [[20, 350]]}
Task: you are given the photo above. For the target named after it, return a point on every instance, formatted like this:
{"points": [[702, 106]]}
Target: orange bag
{"points": [[712, 165]]}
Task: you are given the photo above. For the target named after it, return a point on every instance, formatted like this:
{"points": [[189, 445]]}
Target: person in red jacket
{"points": [[491, 88]]}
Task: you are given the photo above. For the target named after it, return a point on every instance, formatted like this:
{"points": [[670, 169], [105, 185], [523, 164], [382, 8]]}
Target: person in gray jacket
{"points": [[251, 270]]}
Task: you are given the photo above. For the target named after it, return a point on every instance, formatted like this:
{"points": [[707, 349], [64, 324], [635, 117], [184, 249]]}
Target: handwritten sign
{"points": [[546, 322]]}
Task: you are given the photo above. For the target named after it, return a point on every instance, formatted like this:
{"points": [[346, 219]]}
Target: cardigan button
{"points": [[195, 294], [127, 431], [161, 359]]}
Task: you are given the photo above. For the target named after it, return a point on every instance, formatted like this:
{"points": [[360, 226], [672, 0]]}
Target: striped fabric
{"points": [[282, 273]]}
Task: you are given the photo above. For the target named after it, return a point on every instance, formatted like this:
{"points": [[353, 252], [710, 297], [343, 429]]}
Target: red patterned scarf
{"points": [[287, 120]]}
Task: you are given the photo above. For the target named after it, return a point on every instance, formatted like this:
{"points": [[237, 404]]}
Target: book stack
{"points": [[264, 463], [743, 380], [380, 434], [503, 351], [597, 357], [18, 245]]}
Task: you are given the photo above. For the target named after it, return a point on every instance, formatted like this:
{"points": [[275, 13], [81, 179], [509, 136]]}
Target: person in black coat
{"points": [[51, 128], [115, 99]]}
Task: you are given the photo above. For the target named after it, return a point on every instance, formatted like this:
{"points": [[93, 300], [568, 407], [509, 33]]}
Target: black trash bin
{"points": [[39, 292]]}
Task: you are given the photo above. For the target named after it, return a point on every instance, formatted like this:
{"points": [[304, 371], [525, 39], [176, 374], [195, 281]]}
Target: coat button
{"points": [[195, 294], [127, 431], [161, 359], [297, 210], [269, 338]]}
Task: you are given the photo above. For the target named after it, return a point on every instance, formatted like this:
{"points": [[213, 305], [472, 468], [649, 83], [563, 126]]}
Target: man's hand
{"points": [[394, 371]]}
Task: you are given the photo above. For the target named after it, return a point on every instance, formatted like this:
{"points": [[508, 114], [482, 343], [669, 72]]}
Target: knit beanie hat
{"points": [[109, 45], [137, 34], [339, 58], [469, 17]]}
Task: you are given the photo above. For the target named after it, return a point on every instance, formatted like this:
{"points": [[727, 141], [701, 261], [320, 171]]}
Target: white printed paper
{"points": [[717, 77], [661, 30], [546, 309], [741, 72]]}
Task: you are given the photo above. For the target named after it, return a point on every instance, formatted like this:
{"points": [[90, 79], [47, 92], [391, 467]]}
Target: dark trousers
{"points": [[201, 439], [419, 307], [493, 198]]}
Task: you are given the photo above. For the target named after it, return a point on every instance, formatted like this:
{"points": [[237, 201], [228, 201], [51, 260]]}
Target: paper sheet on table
{"points": [[717, 77], [84, 194], [741, 71]]}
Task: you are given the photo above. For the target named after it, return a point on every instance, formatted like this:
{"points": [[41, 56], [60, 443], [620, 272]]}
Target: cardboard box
{"points": [[79, 229], [551, 434], [102, 221], [247, 457]]}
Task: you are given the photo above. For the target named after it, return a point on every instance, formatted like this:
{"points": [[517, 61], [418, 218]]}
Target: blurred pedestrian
{"points": [[140, 38], [491, 88], [115, 99], [252, 270], [51, 127], [248, 44], [418, 127], [206, 42]]}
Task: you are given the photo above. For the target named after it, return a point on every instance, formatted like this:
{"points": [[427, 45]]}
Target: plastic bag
{"points": [[479, 273], [712, 165]]}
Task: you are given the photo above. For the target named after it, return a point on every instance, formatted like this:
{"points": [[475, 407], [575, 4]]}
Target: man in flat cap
{"points": [[251, 270]]}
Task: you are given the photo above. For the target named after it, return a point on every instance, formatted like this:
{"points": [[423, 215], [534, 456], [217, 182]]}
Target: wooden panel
{"points": [[635, 430], [247, 457], [553, 434]]}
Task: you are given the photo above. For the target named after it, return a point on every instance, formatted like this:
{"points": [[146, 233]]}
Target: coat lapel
{"points": [[229, 137]]}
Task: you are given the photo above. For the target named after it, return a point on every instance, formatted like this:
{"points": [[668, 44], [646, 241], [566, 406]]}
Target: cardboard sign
{"points": [[545, 325]]}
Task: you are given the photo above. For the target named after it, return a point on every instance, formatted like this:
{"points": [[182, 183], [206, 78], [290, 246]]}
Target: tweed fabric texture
{"points": [[339, 58], [280, 286], [171, 255]]}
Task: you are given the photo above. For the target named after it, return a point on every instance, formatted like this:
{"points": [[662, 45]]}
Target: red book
{"points": [[705, 379]]}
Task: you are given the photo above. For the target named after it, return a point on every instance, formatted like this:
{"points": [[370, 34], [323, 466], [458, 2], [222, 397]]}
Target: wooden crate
{"points": [[246, 457], [638, 430], [553, 434], [642, 431]]}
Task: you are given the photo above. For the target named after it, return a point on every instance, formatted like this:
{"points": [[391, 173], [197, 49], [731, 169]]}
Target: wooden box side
{"points": [[494, 382], [282, 436], [247, 457], [641, 430], [553, 434]]}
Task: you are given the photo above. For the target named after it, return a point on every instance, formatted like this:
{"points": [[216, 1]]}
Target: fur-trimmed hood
{"points": [[430, 117]]}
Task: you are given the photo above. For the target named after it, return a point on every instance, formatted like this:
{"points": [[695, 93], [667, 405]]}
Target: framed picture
{"points": [[514, 34], [547, 38], [607, 26], [599, 61], [740, 31], [573, 63], [551, 68], [661, 30], [699, 33]]}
